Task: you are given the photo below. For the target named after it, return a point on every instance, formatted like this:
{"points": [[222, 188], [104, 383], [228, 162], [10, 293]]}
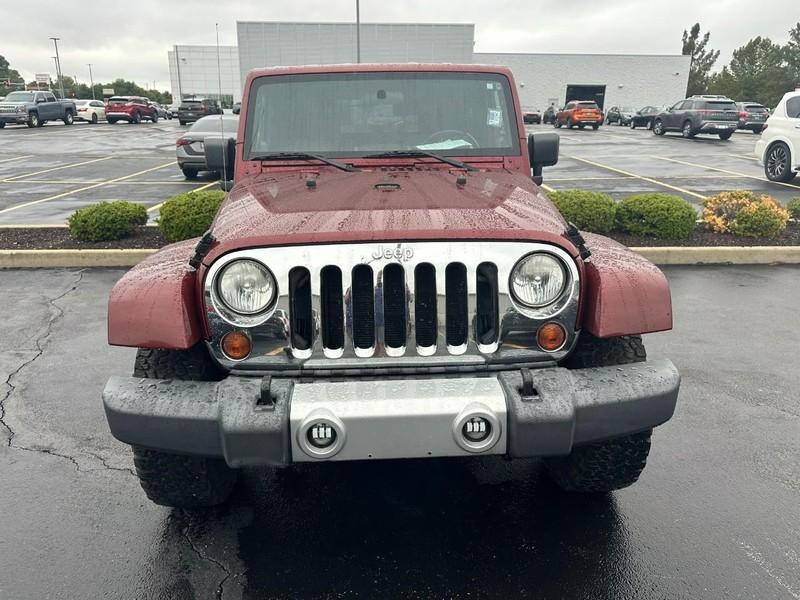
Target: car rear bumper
{"points": [[718, 126], [256, 421], [752, 125]]}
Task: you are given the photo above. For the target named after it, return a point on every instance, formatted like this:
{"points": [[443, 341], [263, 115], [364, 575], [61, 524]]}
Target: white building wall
{"points": [[268, 44], [631, 80], [197, 73]]}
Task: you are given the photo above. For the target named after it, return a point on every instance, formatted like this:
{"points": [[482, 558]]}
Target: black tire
{"points": [[581, 126], [189, 172], [68, 118], [686, 130], [172, 479], [611, 464], [94, 119], [181, 122], [758, 130], [569, 124], [778, 163], [2, 124], [33, 120], [154, 118], [557, 124], [658, 127], [137, 118], [111, 121], [632, 124], [725, 135], [595, 127]]}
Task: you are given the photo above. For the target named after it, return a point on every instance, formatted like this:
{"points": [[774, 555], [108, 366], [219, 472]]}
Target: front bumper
{"points": [[257, 421], [14, 118]]}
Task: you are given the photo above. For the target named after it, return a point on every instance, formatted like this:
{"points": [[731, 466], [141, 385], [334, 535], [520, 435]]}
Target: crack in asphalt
{"points": [[203, 556], [40, 344]]}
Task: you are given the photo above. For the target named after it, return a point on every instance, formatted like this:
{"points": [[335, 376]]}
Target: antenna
{"points": [[221, 128]]}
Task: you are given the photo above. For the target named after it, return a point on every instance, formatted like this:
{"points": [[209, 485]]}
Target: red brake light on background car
{"points": [[743, 114], [182, 142]]}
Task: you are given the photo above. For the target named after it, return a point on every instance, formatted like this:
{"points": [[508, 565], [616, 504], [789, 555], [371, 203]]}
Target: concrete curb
{"points": [[666, 255]]}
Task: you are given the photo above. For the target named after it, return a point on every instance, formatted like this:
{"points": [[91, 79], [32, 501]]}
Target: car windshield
{"points": [[627, 109], [585, 105], [119, 99], [82, 102], [755, 108], [20, 97], [211, 124], [720, 105], [356, 114]]}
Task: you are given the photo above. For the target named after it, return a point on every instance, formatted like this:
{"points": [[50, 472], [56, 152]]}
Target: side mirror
{"points": [[542, 152], [220, 155]]}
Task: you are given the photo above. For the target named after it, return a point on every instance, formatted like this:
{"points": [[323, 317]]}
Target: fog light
{"points": [[551, 337], [476, 429], [321, 435], [236, 345]]}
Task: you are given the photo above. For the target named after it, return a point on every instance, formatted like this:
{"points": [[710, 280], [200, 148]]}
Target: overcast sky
{"points": [[131, 40]]}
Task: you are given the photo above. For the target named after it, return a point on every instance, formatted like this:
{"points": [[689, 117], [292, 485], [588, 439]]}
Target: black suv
{"points": [[549, 115], [716, 115], [191, 110]]}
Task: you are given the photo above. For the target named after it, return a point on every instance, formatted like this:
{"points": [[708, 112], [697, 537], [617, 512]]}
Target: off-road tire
{"points": [[611, 464], [173, 479], [183, 481]]}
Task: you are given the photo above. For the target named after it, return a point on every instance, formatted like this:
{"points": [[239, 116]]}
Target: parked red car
{"points": [[132, 109], [580, 113], [386, 280]]}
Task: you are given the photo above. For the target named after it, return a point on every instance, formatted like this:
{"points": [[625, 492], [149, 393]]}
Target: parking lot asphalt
{"points": [[47, 173], [716, 514]]}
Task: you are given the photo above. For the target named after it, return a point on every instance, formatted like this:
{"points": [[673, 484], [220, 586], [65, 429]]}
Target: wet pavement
{"points": [[716, 513]]}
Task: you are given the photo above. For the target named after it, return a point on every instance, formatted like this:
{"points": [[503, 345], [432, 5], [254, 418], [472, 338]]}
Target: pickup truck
{"points": [[386, 279], [34, 109]]}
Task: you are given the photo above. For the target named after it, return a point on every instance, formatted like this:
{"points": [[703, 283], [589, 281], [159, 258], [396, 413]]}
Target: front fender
{"points": [[624, 293], [154, 304]]}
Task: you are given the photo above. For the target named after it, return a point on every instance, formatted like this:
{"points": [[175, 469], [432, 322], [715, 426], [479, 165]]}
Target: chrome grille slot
{"points": [[394, 306], [331, 308], [426, 321], [300, 315], [362, 309], [456, 309]]}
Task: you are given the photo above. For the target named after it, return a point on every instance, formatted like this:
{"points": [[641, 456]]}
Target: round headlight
{"points": [[538, 280], [246, 287]]}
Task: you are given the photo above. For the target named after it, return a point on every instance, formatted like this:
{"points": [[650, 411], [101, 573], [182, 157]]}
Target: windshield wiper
{"points": [[413, 153], [304, 156]]}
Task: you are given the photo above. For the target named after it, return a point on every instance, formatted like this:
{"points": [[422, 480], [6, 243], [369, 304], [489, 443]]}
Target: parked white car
{"points": [[90, 110], [779, 147]]}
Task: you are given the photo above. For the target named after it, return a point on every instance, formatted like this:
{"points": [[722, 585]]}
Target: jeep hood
{"points": [[318, 205]]}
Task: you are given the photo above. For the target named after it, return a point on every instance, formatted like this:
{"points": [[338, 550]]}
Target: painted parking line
{"points": [[86, 188], [5, 160], [78, 164], [756, 177], [629, 177], [83, 182], [204, 187], [640, 177]]}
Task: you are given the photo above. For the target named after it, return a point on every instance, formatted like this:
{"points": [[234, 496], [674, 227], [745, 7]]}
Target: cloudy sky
{"points": [[131, 40]]}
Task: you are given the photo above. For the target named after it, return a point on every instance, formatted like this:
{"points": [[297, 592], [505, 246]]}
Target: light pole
{"points": [[58, 67], [178, 72], [358, 31], [55, 62], [91, 80]]}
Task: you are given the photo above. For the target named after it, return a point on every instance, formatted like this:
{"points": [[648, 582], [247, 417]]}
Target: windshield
{"points": [[355, 114], [586, 105], [229, 125], [755, 108], [720, 105], [20, 97], [119, 99]]}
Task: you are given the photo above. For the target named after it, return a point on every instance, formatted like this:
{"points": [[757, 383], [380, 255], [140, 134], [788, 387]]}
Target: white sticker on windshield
{"points": [[494, 118]]}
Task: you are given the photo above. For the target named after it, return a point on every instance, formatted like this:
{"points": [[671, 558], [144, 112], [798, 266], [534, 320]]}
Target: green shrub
{"points": [[794, 208], [658, 215], [189, 215], [744, 213], [589, 211], [106, 221]]}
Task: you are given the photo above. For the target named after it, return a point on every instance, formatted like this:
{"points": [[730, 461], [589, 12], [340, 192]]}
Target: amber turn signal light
{"points": [[551, 336], [236, 345]]}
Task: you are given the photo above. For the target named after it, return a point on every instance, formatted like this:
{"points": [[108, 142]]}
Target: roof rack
{"points": [[710, 97]]}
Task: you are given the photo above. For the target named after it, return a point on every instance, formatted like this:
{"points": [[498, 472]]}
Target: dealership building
{"points": [[542, 79]]}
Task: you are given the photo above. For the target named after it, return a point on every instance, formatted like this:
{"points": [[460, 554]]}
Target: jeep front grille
{"points": [[406, 304]]}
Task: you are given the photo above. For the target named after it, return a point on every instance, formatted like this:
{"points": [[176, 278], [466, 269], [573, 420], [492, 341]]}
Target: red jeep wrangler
{"points": [[387, 280]]}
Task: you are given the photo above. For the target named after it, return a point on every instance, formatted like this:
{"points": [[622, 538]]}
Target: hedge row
{"points": [[182, 217], [665, 216], [654, 214]]}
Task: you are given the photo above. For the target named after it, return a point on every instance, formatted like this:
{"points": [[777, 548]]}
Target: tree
{"points": [[8, 77], [702, 59], [757, 72], [792, 50]]}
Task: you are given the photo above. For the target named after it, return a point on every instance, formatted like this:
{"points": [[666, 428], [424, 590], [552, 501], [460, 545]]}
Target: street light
{"points": [[91, 80], [58, 67], [358, 31]]}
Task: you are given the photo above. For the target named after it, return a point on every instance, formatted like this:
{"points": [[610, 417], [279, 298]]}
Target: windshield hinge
{"points": [[577, 239], [202, 249]]}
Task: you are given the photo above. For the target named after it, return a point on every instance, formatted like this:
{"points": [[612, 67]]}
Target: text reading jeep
{"points": [[386, 280]]}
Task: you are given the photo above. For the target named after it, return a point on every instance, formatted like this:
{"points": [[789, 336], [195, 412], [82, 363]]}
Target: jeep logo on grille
{"points": [[397, 252]]}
